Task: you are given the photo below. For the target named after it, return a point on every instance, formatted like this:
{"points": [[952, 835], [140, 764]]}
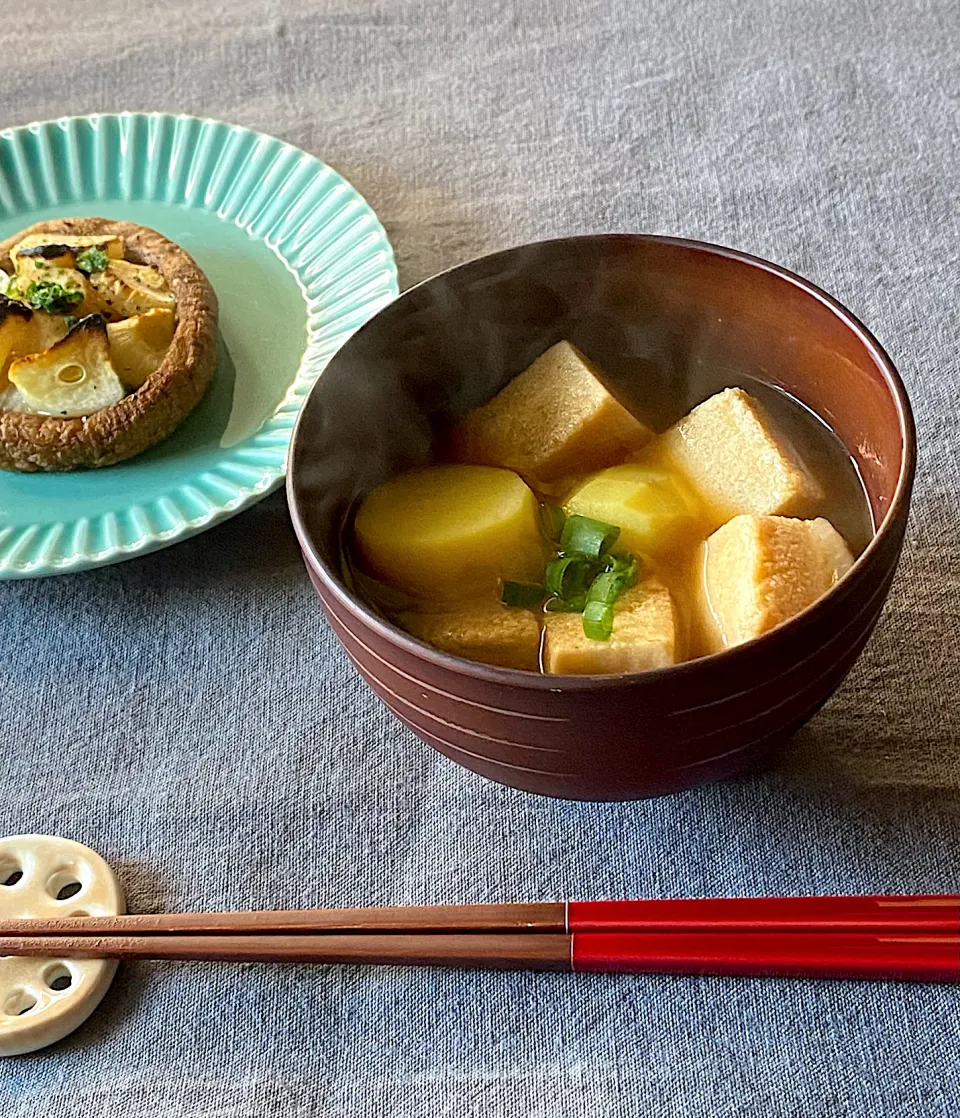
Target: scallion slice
{"points": [[624, 567], [528, 594], [605, 588], [585, 577], [584, 536], [552, 520], [598, 620], [570, 575]]}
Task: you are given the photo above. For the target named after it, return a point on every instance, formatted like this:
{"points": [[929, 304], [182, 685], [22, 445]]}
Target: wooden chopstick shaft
{"points": [[426, 919], [502, 951], [922, 914], [823, 955]]}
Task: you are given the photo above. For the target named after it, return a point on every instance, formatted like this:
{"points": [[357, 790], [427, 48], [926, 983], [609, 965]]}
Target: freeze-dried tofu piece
{"points": [[553, 420]]}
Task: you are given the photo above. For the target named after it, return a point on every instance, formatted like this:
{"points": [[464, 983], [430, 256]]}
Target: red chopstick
{"points": [[925, 914], [931, 914], [785, 954], [782, 954]]}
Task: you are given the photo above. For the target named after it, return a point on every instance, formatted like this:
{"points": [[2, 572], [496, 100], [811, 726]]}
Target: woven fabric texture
{"points": [[191, 717]]}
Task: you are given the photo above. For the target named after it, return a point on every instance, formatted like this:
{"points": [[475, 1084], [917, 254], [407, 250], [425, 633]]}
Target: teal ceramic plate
{"points": [[298, 260]]}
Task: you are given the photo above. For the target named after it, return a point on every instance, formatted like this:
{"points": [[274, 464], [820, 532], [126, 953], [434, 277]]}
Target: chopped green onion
{"points": [[605, 588], [598, 620], [570, 575], [624, 566], [585, 536], [92, 259], [585, 577], [556, 573], [522, 594], [43, 295], [552, 520]]}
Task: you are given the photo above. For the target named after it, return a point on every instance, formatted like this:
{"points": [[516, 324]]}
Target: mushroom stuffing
{"points": [[107, 341]]}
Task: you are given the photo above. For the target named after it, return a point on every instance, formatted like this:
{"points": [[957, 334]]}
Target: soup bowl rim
{"points": [[728, 657]]}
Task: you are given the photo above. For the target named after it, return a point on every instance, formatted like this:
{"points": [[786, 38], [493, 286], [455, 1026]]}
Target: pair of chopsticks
{"points": [[910, 937]]}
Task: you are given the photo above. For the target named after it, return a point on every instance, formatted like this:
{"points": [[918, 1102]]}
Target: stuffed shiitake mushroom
{"points": [[108, 340]]}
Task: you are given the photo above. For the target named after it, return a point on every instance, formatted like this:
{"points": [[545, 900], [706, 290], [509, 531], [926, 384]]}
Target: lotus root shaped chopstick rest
{"points": [[42, 1000]]}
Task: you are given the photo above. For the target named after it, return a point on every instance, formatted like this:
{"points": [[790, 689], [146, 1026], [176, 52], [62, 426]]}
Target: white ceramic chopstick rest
{"points": [[42, 1000]]}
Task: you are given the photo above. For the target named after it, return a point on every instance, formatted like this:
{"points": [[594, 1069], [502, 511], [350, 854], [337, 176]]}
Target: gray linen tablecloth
{"points": [[190, 715]]}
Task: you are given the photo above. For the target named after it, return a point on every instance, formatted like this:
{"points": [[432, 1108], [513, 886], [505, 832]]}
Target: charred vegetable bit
{"points": [[15, 332], [73, 377], [47, 252], [92, 259], [52, 297], [13, 307]]}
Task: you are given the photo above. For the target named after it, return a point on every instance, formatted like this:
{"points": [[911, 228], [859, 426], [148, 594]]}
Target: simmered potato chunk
{"points": [[655, 510], [451, 533]]}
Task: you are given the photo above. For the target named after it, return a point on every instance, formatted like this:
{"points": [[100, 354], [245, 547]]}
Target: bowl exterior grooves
{"points": [[653, 734], [689, 317]]}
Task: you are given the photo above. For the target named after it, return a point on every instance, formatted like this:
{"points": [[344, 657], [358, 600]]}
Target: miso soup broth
{"points": [[474, 562], [845, 504]]}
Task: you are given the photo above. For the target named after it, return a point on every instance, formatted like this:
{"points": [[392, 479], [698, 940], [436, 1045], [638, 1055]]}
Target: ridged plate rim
{"points": [[276, 209]]}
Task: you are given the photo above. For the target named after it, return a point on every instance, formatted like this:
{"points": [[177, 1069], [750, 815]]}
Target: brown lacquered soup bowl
{"points": [[670, 319]]}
